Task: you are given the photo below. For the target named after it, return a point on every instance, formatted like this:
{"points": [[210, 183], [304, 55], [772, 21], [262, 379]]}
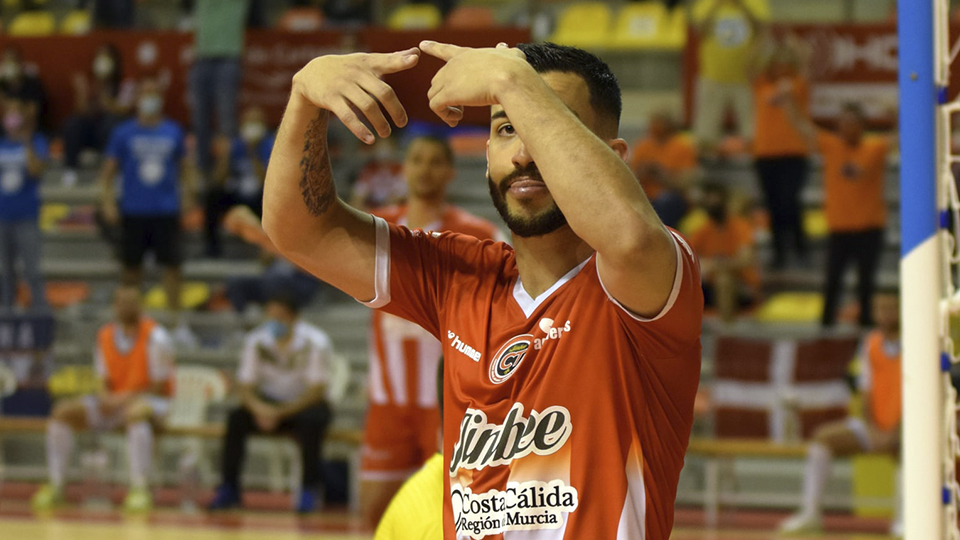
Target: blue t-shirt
{"points": [[243, 176], [19, 192], [149, 160]]}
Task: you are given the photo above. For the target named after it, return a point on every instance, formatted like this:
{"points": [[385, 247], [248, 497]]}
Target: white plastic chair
{"points": [[195, 389]]}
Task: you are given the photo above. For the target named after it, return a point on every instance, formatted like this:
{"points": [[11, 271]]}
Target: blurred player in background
{"points": [[572, 360], [877, 432], [134, 358], [416, 512], [402, 423]]}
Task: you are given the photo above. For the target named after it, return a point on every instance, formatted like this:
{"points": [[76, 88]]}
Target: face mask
{"points": [[149, 105], [12, 121], [717, 213], [252, 132], [103, 66], [277, 329], [9, 70]]}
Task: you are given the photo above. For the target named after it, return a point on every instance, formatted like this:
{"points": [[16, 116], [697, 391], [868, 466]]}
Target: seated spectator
{"points": [[278, 274], [877, 432], [239, 169], [22, 156], [380, 183], [665, 162], [854, 175], [344, 12], [727, 256], [19, 83], [780, 152], [102, 98], [134, 358], [158, 182], [282, 376]]}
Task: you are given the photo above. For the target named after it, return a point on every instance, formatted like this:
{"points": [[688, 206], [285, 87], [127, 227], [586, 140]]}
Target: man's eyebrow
{"points": [[499, 114]]}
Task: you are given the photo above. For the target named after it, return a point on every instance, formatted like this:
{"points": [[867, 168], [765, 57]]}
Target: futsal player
{"points": [[572, 359], [402, 422], [877, 432], [134, 358]]}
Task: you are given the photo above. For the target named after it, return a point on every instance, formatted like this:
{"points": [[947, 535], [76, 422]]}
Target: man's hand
{"points": [[112, 403], [110, 211], [267, 418], [471, 77], [349, 86]]}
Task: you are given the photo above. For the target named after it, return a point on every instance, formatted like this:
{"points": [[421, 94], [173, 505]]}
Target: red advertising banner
{"points": [[270, 60]]}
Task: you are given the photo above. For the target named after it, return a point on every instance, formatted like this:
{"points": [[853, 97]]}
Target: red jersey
{"points": [[403, 356], [565, 416]]}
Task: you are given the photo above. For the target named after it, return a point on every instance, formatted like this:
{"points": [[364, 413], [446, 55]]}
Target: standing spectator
{"points": [[135, 361], [878, 431], [17, 82], [238, 174], [780, 151], [727, 256], [853, 175], [665, 162], [728, 30], [157, 182], [380, 182], [282, 376], [22, 156], [102, 99], [113, 14], [215, 74], [403, 420]]}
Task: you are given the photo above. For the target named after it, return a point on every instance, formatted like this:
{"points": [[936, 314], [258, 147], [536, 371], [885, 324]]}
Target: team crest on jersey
{"points": [[509, 357]]}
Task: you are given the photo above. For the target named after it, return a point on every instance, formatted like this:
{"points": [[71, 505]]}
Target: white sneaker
{"points": [[185, 338], [69, 178], [802, 522], [896, 529]]}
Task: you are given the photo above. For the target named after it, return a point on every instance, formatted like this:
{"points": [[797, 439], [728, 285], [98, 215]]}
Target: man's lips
{"points": [[525, 185]]}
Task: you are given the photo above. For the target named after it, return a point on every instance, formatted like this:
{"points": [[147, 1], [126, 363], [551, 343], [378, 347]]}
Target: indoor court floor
{"points": [[20, 524]]}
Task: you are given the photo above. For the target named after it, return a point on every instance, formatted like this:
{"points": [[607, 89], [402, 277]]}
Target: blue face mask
{"points": [[277, 329]]}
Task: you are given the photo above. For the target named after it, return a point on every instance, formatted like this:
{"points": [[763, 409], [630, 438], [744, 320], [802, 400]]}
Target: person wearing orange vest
{"points": [[134, 358], [879, 429]]}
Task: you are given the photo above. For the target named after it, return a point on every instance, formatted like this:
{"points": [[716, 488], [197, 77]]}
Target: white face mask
{"points": [[252, 132], [103, 66], [150, 105], [9, 70]]}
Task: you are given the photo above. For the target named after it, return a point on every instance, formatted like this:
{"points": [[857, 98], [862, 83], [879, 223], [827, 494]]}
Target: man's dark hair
{"points": [[442, 142], [287, 298], [604, 88]]}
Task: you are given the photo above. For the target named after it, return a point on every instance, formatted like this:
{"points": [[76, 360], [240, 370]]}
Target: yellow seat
{"points": [[649, 25], [585, 25], [192, 295], [32, 24], [77, 22], [415, 17], [791, 307], [815, 223]]}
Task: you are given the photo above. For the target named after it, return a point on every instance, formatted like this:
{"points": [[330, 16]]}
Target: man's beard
{"points": [[543, 223]]}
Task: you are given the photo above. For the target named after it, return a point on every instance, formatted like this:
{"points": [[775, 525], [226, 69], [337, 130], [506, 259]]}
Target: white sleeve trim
{"points": [[677, 283], [382, 273]]}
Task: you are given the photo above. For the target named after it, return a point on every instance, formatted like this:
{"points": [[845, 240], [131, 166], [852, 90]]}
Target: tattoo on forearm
{"points": [[316, 182]]}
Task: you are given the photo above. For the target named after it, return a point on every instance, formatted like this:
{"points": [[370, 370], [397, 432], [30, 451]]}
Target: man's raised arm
{"points": [[302, 214]]}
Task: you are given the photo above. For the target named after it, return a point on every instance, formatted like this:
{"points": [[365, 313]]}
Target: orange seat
{"points": [[60, 294], [471, 17], [301, 19]]}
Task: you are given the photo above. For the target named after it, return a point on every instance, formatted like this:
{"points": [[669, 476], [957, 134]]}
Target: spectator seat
{"points": [[76, 23], [301, 19], [585, 25], [470, 17], [415, 17], [32, 24]]}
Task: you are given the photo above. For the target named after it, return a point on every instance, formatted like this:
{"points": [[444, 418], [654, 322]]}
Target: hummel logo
{"points": [[462, 347]]}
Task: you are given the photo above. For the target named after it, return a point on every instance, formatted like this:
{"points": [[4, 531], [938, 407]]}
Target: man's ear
{"points": [[621, 147], [486, 154]]}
